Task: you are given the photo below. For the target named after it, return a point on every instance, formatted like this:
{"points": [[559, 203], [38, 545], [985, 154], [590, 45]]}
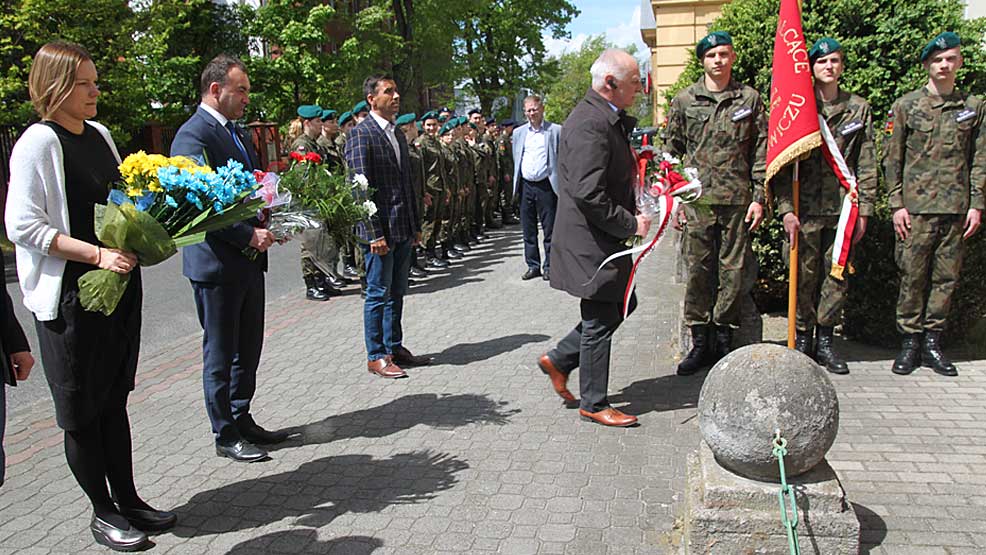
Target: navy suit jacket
{"points": [[368, 152], [218, 259]]}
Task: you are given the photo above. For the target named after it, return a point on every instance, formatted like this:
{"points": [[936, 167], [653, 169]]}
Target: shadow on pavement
{"points": [[466, 353], [465, 270], [660, 394], [872, 528], [317, 492], [438, 411], [306, 541]]}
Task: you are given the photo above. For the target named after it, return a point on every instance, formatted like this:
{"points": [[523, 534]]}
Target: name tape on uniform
{"points": [[743, 112]]}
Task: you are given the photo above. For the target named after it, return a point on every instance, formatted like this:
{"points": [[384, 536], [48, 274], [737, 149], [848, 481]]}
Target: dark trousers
{"points": [[538, 202], [232, 319], [587, 347]]}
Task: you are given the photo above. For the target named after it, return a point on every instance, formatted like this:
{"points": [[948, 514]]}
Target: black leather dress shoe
{"points": [[150, 520], [530, 274], [461, 248], [417, 272], [335, 282], [115, 538], [350, 273], [437, 264], [255, 434], [544, 276], [453, 254], [241, 451]]}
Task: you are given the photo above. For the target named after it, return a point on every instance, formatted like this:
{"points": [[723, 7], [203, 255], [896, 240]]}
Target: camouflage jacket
{"points": [[935, 158], [332, 152], [304, 143], [466, 163], [820, 193], [482, 155], [724, 136], [417, 174], [433, 160], [451, 157]]}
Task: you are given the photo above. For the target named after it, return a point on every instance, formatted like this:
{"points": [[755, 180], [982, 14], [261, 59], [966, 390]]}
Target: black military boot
{"points": [[312, 292], [826, 356], [451, 252], [933, 357], [698, 357], [802, 342], [724, 343], [324, 285], [907, 360]]}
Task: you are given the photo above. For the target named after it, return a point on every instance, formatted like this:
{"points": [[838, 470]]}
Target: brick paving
{"points": [[475, 454]]}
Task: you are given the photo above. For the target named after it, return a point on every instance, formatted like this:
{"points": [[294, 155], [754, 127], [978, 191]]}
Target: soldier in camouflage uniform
{"points": [[935, 166], [406, 124], [329, 257], [467, 180], [327, 140], [352, 257], [505, 151], [820, 294], [436, 189], [447, 136], [493, 205], [718, 126], [317, 286]]}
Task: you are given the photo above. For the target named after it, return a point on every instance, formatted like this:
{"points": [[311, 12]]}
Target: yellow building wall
{"points": [[679, 25]]}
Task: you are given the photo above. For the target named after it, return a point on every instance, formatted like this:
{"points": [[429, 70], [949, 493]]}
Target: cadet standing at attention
{"points": [[935, 165], [719, 126], [821, 295]]}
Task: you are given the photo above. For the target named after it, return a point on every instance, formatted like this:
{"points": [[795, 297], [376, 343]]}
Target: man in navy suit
{"points": [[228, 286], [374, 150]]}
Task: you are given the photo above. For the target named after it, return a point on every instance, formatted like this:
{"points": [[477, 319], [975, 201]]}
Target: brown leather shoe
{"points": [[609, 417], [403, 356], [558, 378], [385, 368]]}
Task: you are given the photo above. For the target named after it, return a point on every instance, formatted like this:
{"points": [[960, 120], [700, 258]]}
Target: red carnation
{"points": [[259, 175], [297, 156], [666, 166], [313, 157], [675, 178], [647, 155]]}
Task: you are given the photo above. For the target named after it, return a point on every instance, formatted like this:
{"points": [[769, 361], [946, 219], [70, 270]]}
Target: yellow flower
{"points": [[135, 192]]}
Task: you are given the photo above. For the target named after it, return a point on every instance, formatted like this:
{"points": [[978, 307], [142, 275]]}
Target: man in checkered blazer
{"points": [[374, 150]]}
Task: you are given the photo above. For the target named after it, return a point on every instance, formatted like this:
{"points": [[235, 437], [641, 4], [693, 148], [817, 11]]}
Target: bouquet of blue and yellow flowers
{"points": [[162, 204]]}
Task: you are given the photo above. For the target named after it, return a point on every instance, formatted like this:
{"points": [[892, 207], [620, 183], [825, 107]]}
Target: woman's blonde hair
{"points": [[52, 76], [295, 129]]}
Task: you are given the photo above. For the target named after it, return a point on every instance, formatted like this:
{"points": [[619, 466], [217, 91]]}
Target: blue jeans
{"points": [[386, 284]]}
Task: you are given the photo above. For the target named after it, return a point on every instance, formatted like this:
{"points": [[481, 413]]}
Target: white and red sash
{"points": [[850, 202]]}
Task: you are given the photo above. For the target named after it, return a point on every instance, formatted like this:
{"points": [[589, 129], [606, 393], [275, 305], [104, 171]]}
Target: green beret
{"points": [[405, 119], [346, 116], [943, 41], [473, 125], [360, 106], [823, 47], [442, 119], [462, 120], [328, 114], [309, 111], [419, 127], [431, 114], [446, 128], [712, 40]]}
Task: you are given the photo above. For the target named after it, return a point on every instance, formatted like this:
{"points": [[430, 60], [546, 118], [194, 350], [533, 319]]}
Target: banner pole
{"points": [[792, 288]]}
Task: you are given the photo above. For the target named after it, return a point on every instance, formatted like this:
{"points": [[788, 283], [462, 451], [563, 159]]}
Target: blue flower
{"points": [[170, 201], [218, 207], [118, 197], [190, 197]]}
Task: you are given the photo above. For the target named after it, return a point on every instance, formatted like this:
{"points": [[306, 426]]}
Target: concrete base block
{"points": [[730, 515]]}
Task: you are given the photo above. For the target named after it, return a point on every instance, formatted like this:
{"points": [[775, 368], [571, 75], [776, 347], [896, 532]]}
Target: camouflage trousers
{"points": [[930, 260], [319, 254], [431, 228], [716, 241], [820, 296]]}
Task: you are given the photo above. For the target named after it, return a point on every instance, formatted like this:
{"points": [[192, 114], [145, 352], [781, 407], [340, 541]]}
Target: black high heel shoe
{"points": [[115, 538]]}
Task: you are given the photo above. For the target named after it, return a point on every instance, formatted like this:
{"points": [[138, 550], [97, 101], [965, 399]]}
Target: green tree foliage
{"points": [[500, 47], [573, 79], [882, 40]]}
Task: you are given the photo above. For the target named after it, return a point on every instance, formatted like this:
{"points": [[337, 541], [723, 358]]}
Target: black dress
{"points": [[89, 360]]}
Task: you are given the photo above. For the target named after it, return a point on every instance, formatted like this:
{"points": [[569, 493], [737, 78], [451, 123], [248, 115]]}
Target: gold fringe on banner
{"points": [[797, 150]]}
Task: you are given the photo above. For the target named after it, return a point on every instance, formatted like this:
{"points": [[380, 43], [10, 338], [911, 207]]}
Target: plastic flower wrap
{"points": [[159, 205], [340, 198], [282, 215], [667, 176]]}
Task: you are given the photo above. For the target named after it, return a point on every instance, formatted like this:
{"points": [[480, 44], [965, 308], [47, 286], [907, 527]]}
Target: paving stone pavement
{"points": [[476, 454]]}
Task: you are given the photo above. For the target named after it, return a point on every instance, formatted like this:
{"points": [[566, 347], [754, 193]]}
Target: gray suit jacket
{"points": [[553, 132]]}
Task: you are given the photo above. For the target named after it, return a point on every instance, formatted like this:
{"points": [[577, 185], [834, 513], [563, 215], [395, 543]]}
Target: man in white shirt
{"points": [[535, 146]]}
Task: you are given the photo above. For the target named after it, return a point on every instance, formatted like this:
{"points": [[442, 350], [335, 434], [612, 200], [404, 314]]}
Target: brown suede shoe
{"points": [[609, 417], [403, 356], [559, 380], [385, 368]]}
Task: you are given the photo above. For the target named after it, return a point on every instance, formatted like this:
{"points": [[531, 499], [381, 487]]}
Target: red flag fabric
{"points": [[793, 128]]}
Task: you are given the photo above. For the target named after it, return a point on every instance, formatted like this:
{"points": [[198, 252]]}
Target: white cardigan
{"points": [[37, 211]]}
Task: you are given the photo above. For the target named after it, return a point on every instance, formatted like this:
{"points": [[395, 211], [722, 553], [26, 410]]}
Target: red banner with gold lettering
{"points": [[793, 129]]}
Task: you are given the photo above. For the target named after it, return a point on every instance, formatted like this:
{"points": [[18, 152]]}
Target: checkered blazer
{"points": [[368, 152]]}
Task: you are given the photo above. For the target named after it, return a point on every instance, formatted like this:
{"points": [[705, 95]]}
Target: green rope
{"points": [[790, 522]]}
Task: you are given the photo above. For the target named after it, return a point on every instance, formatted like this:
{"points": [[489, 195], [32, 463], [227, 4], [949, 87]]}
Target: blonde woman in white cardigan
{"points": [[60, 168]]}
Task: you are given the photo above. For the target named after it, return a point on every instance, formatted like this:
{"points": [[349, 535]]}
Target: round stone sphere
{"points": [[756, 390]]}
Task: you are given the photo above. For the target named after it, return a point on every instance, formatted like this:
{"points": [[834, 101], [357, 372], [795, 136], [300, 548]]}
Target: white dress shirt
{"points": [[388, 131], [534, 158]]}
